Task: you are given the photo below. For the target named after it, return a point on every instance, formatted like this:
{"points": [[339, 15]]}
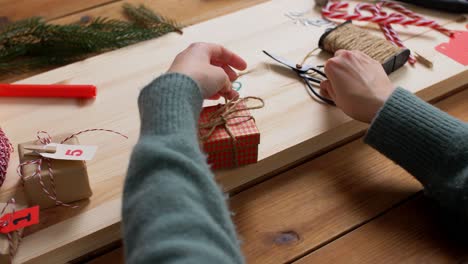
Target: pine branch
{"points": [[19, 30], [33, 43], [147, 18]]}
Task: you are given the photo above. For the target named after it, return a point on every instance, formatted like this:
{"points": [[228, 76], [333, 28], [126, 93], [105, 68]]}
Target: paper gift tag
{"points": [[457, 47], [20, 219], [71, 152]]}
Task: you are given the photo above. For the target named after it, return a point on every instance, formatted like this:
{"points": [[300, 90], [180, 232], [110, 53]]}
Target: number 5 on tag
{"points": [[71, 152]]}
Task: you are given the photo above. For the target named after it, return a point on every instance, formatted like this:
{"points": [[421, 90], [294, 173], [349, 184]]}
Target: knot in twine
{"points": [[45, 139], [5, 150], [3, 223], [228, 112]]}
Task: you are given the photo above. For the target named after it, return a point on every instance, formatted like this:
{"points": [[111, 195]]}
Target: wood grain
{"points": [[15, 10], [305, 208], [412, 233], [300, 210], [186, 12], [293, 125], [296, 212]]}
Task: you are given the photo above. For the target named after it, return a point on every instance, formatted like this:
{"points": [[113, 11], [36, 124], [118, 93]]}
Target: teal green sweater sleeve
{"points": [[428, 143], [173, 211]]}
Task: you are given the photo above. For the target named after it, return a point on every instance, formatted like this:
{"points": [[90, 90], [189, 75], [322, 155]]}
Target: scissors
{"points": [[305, 71]]}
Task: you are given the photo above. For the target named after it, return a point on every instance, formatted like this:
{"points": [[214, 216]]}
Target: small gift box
{"points": [[229, 135], [58, 182], [9, 242]]}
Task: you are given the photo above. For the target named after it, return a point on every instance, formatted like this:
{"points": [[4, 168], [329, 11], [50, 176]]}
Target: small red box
{"points": [[222, 149]]}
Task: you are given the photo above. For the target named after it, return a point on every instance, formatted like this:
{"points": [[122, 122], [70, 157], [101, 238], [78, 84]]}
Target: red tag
{"points": [[456, 48], [20, 219]]}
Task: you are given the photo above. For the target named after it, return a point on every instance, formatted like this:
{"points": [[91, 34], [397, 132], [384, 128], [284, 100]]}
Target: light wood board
{"points": [[293, 125]]}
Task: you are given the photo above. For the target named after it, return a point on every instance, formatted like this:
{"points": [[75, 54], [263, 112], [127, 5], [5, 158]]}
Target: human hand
{"points": [[357, 84], [210, 65]]}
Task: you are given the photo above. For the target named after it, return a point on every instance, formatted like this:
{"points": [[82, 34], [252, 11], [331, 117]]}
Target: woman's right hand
{"points": [[210, 65], [357, 84]]}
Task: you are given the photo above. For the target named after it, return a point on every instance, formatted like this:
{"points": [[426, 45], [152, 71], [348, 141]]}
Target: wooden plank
{"points": [[49, 9], [311, 127], [412, 233], [186, 12], [116, 257], [325, 198], [297, 211]]}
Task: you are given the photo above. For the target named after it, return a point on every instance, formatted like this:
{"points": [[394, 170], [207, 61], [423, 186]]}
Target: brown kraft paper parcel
{"points": [[70, 177]]}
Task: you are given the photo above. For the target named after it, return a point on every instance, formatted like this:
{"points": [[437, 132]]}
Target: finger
{"points": [[340, 52], [326, 89], [228, 70], [324, 93], [230, 94], [330, 66], [221, 54], [215, 97], [227, 90]]}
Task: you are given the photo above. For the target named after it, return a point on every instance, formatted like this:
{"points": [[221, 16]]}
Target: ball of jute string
{"points": [[5, 150], [350, 37]]}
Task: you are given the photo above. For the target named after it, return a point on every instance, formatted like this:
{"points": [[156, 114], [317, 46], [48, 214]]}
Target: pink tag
{"points": [[20, 219], [456, 48], [71, 152]]}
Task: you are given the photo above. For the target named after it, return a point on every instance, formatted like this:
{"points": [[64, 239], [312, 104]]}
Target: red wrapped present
{"points": [[229, 134]]}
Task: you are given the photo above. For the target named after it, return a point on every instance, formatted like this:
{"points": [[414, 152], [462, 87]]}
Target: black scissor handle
{"points": [[318, 71], [310, 78], [324, 99]]}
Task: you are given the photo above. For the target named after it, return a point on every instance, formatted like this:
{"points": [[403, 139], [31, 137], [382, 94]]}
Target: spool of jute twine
{"points": [[349, 37]]}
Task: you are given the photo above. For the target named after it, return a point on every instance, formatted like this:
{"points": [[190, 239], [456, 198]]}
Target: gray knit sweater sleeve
{"points": [[173, 211], [428, 143]]}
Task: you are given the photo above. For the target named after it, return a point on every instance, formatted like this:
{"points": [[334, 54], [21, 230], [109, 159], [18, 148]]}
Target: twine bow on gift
{"points": [[3, 223], [228, 112], [45, 139]]}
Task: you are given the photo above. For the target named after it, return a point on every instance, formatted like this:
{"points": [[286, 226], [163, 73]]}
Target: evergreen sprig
{"points": [[34, 43]]}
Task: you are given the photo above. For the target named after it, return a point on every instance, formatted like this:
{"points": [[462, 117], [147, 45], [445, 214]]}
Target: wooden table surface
{"points": [[348, 205]]}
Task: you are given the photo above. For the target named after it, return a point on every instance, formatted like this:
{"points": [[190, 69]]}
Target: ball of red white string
{"points": [[5, 151]]}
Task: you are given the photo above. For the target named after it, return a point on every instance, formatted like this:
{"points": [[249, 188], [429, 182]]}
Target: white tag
{"points": [[71, 152]]}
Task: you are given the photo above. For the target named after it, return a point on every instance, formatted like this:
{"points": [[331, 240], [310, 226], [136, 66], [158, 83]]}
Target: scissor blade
{"points": [[281, 60]]}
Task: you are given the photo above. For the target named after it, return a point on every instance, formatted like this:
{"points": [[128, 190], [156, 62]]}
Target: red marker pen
{"points": [[48, 90]]}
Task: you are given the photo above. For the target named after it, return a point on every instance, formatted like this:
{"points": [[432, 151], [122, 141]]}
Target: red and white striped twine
{"points": [[11, 244], [44, 138], [5, 150], [337, 10]]}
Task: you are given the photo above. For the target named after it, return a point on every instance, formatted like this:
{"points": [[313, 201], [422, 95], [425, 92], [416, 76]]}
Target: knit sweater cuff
{"points": [[414, 134], [169, 104]]}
